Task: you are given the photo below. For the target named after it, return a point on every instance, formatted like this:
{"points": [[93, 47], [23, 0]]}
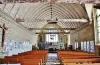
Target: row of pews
{"points": [[35, 57], [76, 57]]}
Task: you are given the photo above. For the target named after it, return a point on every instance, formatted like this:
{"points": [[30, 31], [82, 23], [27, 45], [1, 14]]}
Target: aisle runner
{"points": [[52, 59]]}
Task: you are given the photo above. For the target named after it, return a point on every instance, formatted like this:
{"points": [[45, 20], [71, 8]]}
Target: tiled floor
{"points": [[52, 59]]}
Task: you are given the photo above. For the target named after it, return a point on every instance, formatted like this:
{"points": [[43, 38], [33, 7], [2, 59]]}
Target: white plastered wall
{"points": [[34, 39], [15, 31]]}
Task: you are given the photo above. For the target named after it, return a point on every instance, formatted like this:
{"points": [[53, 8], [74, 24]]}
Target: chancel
{"points": [[49, 32]]}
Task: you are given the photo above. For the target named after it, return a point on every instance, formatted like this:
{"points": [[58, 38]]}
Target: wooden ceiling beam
{"points": [[51, 1], [52, 28], [54, 32]]}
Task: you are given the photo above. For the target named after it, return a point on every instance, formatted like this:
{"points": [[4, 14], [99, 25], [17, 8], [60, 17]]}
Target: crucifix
{"points": [[3, 34]]}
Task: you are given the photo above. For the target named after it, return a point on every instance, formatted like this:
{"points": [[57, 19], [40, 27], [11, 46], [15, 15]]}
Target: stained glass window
{"points": [[51, 37]]}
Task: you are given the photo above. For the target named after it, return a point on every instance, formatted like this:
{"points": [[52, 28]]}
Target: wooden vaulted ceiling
{"points": [[35, 15], [67, 1]]}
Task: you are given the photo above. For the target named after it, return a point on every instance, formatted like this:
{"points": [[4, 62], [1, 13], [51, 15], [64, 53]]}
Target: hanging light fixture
{"points": [[52, 21]]}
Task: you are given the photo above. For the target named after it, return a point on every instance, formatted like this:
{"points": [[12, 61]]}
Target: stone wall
{"points": [[84, 34]]}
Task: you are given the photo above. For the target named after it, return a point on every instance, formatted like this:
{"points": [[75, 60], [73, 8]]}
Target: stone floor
{"points": [[52, 59]]}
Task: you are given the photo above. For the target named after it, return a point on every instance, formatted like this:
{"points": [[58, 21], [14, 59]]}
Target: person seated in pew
{"points": [[78, 49]]}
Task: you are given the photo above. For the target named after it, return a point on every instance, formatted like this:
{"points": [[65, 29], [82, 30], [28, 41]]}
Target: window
{"points": [[87, 46], [91, 46], [76, 45], [98, 24], [82, 46], [51, 37]]}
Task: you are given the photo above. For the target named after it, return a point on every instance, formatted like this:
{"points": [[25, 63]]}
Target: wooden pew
{"points": [[77, 57], [92, 60], [36, 57], [82, 64]]}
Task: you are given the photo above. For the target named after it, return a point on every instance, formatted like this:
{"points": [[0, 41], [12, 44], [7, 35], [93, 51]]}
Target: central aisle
{"points": [[52, 59]]}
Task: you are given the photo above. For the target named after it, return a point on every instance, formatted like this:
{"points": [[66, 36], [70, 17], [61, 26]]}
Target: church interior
{"points": [[49, 32]]}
